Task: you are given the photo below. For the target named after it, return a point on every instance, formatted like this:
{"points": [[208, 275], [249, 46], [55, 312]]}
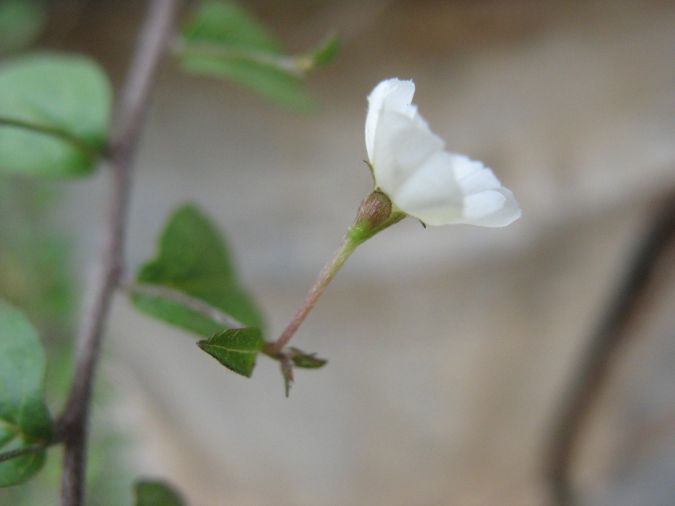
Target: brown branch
{"points": [[130, 113], [604, 347], [197, 305]]}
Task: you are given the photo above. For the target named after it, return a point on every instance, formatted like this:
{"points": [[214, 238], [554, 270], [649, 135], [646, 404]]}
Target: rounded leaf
{"points": [[54, 114]]}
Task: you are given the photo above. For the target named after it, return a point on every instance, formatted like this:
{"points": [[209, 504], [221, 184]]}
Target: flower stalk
{"points": [[322, 281], [375, 214]]}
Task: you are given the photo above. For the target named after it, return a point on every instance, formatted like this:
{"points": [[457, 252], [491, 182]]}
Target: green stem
{"points": [[85, 148], [326, 275]]}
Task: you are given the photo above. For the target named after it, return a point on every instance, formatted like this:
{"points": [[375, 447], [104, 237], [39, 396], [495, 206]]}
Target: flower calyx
{"points": [[375, 213]]}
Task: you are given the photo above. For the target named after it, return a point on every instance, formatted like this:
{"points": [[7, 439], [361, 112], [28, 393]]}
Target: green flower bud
{"points": [[375, 214]]}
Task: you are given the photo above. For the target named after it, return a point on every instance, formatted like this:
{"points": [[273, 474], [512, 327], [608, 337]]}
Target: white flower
{"points": [[423, 180]]}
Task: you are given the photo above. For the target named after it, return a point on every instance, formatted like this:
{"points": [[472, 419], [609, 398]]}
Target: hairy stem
{"points": [[599, 359], [130, 112], [325, 276]]}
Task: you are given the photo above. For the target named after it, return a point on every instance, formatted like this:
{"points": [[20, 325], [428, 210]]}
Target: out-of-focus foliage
{"points": [[193, 258], [36, 275], [54, 114], [21, 21], [24, 418], [222, 39], [35, 270], [156, 493]]}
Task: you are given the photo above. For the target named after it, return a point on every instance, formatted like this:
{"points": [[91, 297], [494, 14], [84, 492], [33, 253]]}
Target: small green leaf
{"points": [[20, 23], [294, 357], [236, 349], [226, 23], [193, 259], [221, 39], [306, 360], [285, 88], [54, 114], [24, 419], [156, 493]]}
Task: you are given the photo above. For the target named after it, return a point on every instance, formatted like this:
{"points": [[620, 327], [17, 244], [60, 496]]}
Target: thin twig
{"points": [[81, 145], [130, 112], [197, 305], [600, 357]]}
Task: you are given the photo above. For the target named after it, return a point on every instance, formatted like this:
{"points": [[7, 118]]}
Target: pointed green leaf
{"points": [[24, 419], [306, 360], [222, 39], [193, 258], [283, 87], [156, 493], [236, 349], [227, 23], [54, 114]]}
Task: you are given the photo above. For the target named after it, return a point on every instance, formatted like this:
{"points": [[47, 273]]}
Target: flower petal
{"points": [[487, 202], [472, 176], [432, 193], [392, 94], [422, 180], [402, 145], [492, 208], [451, 188]]}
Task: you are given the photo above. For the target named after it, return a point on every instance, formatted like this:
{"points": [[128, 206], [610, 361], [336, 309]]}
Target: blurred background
{"points": [[450, 348]]}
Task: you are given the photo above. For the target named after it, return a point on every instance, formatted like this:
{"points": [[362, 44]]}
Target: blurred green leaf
{"points": [[54, 114], [35, 257], [221, 39], [306, 360], [226, 23], [156, 493], [236, 349], [193, 259], [20, 23], [285, 88], [24, 419], [324, 53]]}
